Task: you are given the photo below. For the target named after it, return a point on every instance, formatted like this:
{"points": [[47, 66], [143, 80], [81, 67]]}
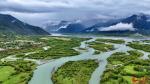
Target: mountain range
{"points": [[137, 23], [11, 25]]}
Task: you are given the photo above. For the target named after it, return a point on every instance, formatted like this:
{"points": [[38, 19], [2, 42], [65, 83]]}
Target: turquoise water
{"points": [[43, 73]]}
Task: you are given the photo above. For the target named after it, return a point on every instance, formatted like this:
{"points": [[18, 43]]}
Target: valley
{"points": [[74, 42], [74, 60]]}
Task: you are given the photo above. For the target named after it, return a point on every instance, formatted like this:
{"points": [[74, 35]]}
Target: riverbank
{"points": [[53, 52]]}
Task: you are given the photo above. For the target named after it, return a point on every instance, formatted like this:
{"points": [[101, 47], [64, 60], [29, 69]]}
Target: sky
{"points": [[38, 12]]}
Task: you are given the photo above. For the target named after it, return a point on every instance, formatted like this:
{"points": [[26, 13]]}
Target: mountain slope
{"points": [[72, 28], [65, 27], [9, 24], [55, 26], [137, 23], [102, 24], [140, 23]]}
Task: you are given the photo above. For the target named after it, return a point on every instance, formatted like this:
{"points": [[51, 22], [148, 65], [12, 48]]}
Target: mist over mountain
{"points": [[137, 23], [71, 26]]}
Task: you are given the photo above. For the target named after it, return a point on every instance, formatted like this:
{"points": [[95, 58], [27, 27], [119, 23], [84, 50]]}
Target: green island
{"points": [[118, 41], [16, 72], [146, 41], [140, 46], [100, 46], [72, 72], [123, 68]]}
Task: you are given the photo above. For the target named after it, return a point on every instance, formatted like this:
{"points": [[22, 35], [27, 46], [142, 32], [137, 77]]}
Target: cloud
{"points": [[73, 9], [119, 27], [95, 6], [32, 6]]}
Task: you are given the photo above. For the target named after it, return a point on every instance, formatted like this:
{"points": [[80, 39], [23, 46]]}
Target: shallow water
{"points": [[96, 76], [43, 73]]}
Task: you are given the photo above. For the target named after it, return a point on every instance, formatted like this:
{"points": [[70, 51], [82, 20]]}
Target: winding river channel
{"points": [[43, 73]]}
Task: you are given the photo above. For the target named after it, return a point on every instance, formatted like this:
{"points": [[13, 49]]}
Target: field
{"points": [[57, 48], [40, 47], [18, 72]]}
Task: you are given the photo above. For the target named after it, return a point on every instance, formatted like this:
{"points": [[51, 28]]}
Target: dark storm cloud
{"points": [[72, 9]]}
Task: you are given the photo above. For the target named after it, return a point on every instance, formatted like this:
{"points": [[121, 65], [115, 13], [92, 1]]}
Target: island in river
{"points": [[74, 60]]}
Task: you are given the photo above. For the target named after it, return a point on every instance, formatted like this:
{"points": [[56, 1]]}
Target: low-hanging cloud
{"points": [[119, 27], [74, 9]]}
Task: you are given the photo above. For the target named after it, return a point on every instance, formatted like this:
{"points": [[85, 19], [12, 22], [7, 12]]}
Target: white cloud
{"points": [[74, 9], [119, 27]]}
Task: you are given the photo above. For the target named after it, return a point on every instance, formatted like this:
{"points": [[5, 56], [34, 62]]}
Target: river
{"points": [[43, 73]]}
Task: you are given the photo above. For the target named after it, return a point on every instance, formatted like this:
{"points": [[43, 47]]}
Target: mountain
{"points": [[140, 21], [71, 26], [9, 24], [55, 26], [137, 23], [102, 24], [65, 27]]}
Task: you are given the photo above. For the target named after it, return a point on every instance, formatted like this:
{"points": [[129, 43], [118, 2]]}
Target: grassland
{"points": [[19, 44], [58, 46], [18, 72], [78, 72]]}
